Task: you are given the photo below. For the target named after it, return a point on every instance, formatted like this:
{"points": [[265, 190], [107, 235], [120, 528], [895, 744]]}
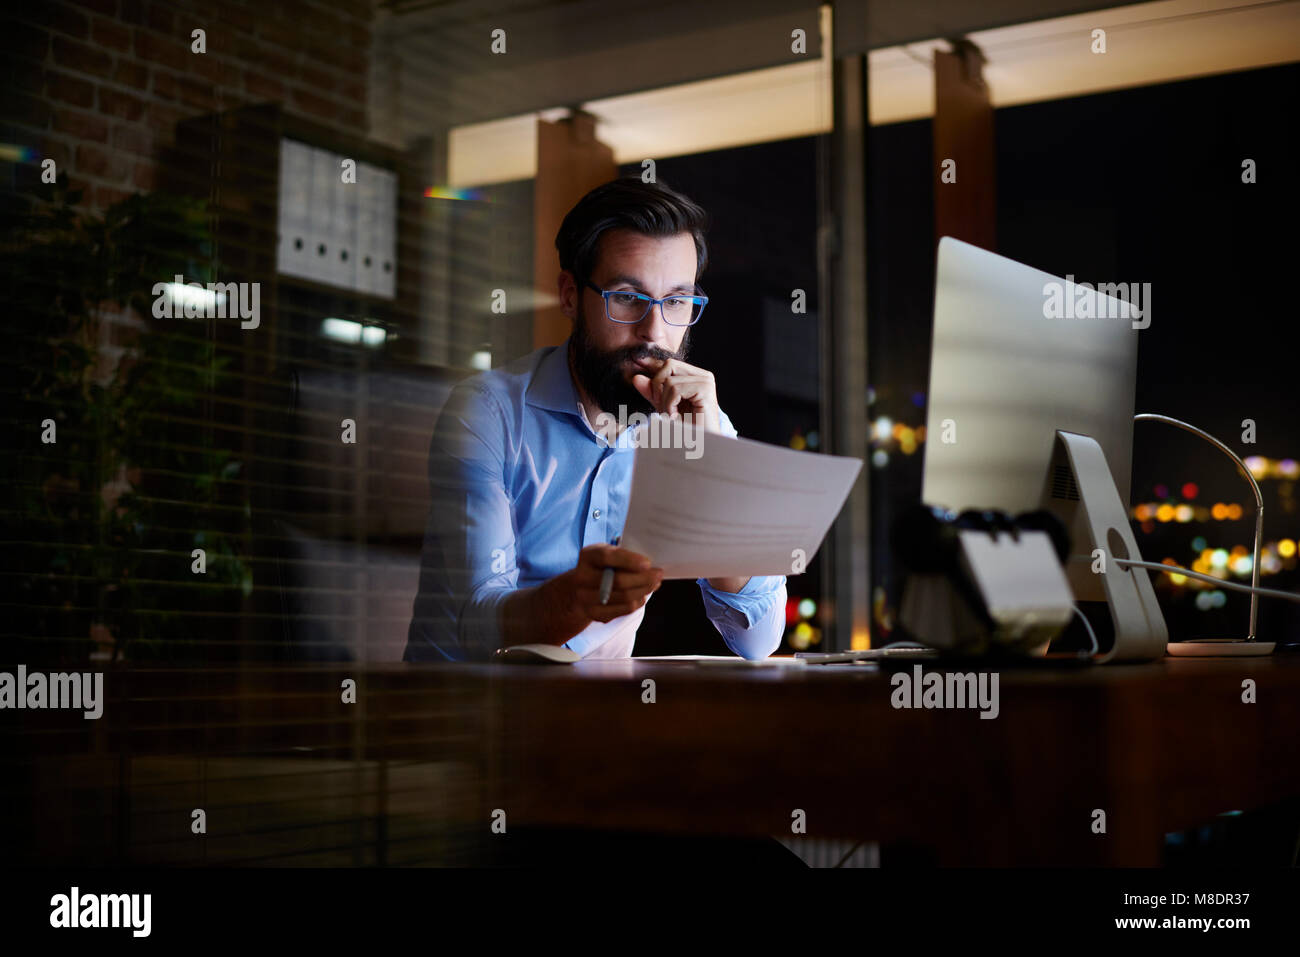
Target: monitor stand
{"points": [[1081, 491]]}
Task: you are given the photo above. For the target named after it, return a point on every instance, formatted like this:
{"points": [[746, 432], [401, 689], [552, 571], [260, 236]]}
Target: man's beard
{"points": [[600, 373]]}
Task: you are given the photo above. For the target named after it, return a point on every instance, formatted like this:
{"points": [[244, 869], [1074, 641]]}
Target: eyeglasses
{"points": [[630, 308]]}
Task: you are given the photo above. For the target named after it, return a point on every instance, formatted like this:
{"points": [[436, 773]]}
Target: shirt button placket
{"points": [[598, 520]]}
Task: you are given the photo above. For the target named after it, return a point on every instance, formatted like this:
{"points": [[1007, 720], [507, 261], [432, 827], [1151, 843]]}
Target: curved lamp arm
{"points": [[1259, 499]]}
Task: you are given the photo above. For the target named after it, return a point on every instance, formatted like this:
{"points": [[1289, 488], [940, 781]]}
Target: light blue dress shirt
{"points": [[519, 484]]}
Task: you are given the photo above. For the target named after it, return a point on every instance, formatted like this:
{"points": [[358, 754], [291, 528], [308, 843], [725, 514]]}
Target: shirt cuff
{"points": [[745, 607]]}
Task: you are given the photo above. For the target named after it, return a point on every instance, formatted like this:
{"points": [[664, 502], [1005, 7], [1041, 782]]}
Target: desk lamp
{"points": [[1218, 647]]}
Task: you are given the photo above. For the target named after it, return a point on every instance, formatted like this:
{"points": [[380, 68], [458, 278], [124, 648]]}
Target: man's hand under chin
{"points": [[676, 389], [680, 389]]}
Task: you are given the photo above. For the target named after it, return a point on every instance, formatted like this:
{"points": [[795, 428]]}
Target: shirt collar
{"points": [[552, 387]]}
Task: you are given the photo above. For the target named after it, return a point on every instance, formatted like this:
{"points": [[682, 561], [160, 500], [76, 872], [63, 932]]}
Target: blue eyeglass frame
{"points": [[650, 304]]}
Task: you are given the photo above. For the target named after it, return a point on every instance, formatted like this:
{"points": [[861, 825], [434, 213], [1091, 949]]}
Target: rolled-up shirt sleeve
{"points": [[468, 562], [752, 620]]}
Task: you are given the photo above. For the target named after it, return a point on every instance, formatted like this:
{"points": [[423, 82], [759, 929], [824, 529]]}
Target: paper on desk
{"points": [[769, 662], [739, 508]]}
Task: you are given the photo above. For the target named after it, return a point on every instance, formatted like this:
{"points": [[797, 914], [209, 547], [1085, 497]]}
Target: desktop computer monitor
{"points": [[1006, 375]]}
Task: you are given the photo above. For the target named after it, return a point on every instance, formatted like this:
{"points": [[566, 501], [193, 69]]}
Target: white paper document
{"points": [[712, 660], [738, 508]]}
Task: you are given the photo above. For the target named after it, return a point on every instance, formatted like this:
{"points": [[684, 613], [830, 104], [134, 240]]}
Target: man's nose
{"points": [[652, 327]]}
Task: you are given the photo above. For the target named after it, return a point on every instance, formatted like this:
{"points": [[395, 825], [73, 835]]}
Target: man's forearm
{"points": [[539, 615], [732, 585]]}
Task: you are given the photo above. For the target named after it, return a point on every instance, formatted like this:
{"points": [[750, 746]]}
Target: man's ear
{"points": [[567, 287]]}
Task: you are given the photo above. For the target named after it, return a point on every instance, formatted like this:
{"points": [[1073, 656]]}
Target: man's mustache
{"points": [[635, 353]]}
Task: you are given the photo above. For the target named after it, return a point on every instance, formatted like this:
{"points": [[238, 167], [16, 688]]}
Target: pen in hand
{"points": [[607, 579]]}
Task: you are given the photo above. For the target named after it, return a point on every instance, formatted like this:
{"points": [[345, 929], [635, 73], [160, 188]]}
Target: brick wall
{"points": [[99, 85]]}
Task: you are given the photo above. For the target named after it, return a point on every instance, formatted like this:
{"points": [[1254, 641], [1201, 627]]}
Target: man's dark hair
{"points": [[652, 209]]}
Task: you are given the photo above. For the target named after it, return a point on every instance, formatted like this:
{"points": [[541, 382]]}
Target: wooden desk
{"points": [[412, 771], [1159, 747]]}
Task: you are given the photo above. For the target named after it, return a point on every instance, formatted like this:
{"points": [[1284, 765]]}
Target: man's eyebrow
{"points": [[622, 279]]}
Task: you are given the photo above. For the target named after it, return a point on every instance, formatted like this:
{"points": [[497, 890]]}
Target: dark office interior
{"points": [[226, 518]]}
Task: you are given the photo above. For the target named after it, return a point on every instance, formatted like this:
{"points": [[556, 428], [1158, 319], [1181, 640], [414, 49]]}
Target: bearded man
{"points": [[528, 496]]}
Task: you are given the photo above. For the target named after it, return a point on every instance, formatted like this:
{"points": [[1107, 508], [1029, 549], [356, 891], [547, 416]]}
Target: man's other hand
{"points": [[679, 389]]}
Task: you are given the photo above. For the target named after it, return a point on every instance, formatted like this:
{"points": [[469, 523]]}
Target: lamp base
{"points": [[1220, 648]]}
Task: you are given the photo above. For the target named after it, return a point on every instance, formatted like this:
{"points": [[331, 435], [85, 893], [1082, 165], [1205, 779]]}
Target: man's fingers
{"points": [[665, 372], [611, 556], [680, 368], [651, 578], [691, 391], [605, 613], [676, 369], [672, 396], [614, 610], [624, 581], [621, 601], [672, 384], [589, 593], [641, 382], [618, 606]]}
